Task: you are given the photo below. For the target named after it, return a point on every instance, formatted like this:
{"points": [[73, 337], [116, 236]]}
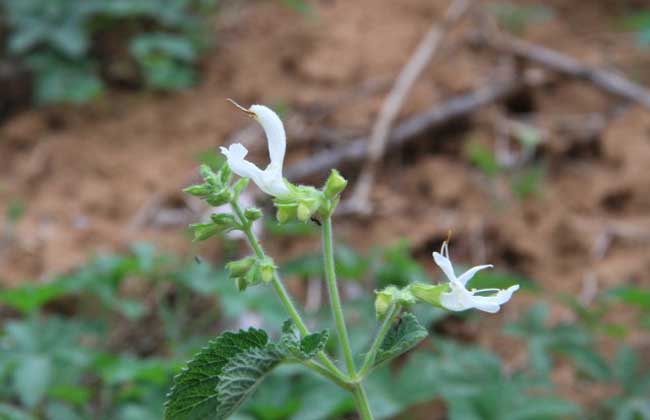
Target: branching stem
{"points": [[282, 293]]}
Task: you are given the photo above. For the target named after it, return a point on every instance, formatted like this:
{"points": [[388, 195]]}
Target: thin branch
{"points": [[436, 116], [608, 81], [423, 54]]}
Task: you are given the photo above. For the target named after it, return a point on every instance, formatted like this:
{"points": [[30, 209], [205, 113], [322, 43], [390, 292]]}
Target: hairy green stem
{"points": [[286, 299], [362, 403], [335, 300], [379, 338], [317, 367], [360, 397]]}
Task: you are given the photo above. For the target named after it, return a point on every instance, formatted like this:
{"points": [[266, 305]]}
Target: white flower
{"points": [[459, 298], [269, 180]]}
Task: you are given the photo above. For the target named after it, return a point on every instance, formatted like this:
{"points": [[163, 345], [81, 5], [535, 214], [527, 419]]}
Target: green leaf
{"points": [[636, 296], [241, 376], [8, 412], [303, 348], [402, 336], [32, 378], [197, 390]]}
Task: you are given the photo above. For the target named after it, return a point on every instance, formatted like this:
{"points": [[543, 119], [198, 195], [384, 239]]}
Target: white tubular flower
{"points": [[269, 180], [459, 298]]}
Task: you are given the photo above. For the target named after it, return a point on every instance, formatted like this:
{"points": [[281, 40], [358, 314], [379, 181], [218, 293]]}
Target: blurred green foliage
{"points": [[104, 341], [516, 17], [639, 22], [71, 46]]}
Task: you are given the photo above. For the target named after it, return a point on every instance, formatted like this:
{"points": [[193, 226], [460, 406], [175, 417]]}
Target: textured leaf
{"points": [[403, 336], [241, 376], [194, 394], [303, 348]]}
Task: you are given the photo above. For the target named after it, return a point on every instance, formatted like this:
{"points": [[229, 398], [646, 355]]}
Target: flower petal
{"points": [[467, 275], [235, 155], [445, 265], [275, 134]]}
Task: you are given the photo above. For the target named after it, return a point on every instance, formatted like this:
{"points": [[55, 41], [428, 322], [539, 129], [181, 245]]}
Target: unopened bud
{"points": [[253, 213], [203, 231], [198, 190], [335, 184], [240, 267]]}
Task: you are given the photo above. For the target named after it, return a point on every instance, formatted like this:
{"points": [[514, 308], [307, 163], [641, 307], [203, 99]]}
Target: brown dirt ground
{"points": [[86, 173]]}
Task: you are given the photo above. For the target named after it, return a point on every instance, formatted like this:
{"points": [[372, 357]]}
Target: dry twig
{"points": [[360, 200], [438, 115], [608, 81]]}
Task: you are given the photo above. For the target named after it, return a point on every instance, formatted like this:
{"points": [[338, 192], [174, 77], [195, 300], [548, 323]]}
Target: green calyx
{"points": [[302, 202], [416, 292], [251, 271], [428, 293], [334, 185]]}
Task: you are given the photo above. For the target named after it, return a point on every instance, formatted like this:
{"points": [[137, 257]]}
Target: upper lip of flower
{"points": [[269, 180]]}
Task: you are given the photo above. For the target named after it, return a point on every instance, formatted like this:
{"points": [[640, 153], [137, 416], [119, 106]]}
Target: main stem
{"points": [[360, 397], [335, 299], [284, 295]]}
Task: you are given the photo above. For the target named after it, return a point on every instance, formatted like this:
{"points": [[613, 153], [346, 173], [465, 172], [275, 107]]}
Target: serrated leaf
{"points": [[303, 348], [402, 336], [242, 374], [194, 395]]}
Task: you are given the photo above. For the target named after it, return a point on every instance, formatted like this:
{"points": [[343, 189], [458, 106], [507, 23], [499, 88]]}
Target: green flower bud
{"points": [[335, 184], [267, 269], [240, 267], [286, 212], [428, 293], [225, 221], [198, 190], [219, 198], [240, 282], [253, 276], [303, 212], [208, 175], [384, 300], [203, 231], [253, 213], [392, 295], [240, 186], [225, 174]]}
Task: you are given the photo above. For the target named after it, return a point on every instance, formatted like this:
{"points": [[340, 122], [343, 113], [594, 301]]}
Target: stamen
{"points": [[241, 108]]}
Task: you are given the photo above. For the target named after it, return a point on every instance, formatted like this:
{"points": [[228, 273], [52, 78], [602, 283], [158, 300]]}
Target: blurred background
{"points": [[526, 131]]}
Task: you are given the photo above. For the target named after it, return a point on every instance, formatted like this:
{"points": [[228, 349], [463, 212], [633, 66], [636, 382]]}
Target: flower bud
{"points": [[384, 300], [252, 213], [224, 221], [240, 267], [267, 269], [335, 184], [241, 284], [225, 175], [198, 190], [208, 175], [240, 186], [286, 212], [303, 212], [253, 276], [203, 231], [219, 198]]}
